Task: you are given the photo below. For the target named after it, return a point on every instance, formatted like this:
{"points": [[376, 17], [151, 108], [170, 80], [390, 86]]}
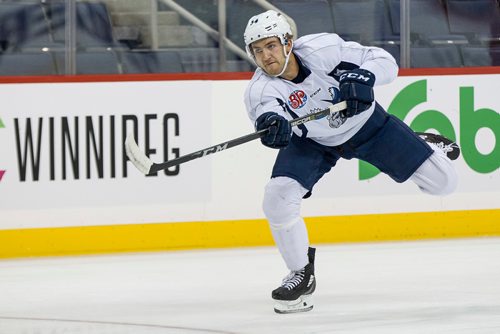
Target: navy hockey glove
{"points": [[280, 130], [356, 88]]}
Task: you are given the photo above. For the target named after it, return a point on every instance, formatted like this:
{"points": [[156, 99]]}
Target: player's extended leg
{"points": [[437, 176], [282, 200], [390, 145]]}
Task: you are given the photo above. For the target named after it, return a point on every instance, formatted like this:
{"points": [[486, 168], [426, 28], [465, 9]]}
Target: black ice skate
{"points": [[449, 147], [295, 293]]}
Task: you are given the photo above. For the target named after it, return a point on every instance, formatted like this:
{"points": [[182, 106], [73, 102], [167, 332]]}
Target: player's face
{"points": [[269, 55]]}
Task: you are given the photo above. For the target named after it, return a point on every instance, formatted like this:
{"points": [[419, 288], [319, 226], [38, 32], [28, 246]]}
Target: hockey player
{"points": [[298, 77]]}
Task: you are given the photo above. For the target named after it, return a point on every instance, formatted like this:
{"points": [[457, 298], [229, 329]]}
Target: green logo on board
{"points": [[470, 122]]}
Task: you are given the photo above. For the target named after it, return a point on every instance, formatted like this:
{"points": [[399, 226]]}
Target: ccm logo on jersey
{"points": [[354, 76], [297, 99]]}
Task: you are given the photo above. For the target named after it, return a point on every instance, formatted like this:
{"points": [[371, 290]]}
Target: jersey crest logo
{"points": [[297, 99], [335, 120]]}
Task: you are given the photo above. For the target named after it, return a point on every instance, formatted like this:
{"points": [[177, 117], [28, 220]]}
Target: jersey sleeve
{"points": [[330, 50], [374, 59], [260, 97]]}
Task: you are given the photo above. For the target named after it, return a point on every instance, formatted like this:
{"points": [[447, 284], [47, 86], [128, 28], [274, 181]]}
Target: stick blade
{"points": [[138, 158]]}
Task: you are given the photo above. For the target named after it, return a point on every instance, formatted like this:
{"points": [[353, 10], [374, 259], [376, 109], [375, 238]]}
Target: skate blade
{"points": [[302, 304]]}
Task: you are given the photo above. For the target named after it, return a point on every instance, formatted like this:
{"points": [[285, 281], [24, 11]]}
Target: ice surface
{"points": [[450, 286]]}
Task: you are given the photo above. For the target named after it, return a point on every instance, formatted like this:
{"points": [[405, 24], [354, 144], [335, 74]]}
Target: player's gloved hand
{"points": [[356, 88], [280, 130]]}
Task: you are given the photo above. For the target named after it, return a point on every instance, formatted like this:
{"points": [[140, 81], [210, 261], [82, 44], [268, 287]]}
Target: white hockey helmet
{"points": [[264, 25]]}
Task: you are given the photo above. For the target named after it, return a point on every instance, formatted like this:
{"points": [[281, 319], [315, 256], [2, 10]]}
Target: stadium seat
{"points": [[435, 56], [91, 62], [200, 60], [39, 63], [428, 22], [311, 17], [208, 12], [365, 21], [23, 27], [93, 24], [239, 66], [151, 62], [477, 19], [239, 12], [207, 60], [481, 56]]}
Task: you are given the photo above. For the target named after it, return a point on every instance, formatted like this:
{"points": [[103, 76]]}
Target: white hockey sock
{"points": [[436, 176], [282, 200], [293, 243]]}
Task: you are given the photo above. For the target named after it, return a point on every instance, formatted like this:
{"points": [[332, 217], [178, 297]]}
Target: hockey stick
{"points": [[146, 166]]}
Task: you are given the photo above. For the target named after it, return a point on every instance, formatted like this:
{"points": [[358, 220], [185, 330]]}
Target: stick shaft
{"points": [[209, 150], [135, 155]]}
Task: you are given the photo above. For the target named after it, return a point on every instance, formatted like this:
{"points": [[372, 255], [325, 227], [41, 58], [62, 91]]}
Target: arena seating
{"points": [[27, 63], [365, 21], [91, 62], [428, 23], [93, 24], [479, 20], [445, 33], [151, 62], [23, 27], [311, 17], [481, 55], [241, 11], [435, 56]]}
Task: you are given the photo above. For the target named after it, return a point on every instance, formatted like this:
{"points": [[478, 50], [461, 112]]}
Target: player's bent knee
{"points": [[282, 199]]}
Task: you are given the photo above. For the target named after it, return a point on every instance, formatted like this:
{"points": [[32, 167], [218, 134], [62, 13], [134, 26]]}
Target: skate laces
{"points": [[293, 279], [443, 147], [439, 143]]}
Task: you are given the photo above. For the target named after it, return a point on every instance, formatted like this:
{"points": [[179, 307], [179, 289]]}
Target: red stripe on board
{"points": [[449, 71], [219, 75], [127, 77]]}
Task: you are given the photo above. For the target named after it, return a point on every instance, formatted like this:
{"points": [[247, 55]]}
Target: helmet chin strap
{"points": [[287, 58]]}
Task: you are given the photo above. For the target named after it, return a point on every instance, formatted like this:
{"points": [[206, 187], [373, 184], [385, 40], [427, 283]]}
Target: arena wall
{"points": [[66, 187]]}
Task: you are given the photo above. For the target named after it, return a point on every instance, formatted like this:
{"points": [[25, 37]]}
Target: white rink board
{"points": [[227, 185]]}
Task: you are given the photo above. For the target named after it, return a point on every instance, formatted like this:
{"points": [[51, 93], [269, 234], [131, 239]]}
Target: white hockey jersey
{"points": [[326, 57]]}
